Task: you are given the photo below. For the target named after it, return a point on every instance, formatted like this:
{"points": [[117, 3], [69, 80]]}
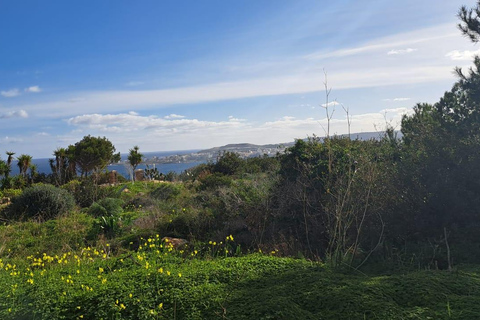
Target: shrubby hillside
{"points": [[331, 228]]}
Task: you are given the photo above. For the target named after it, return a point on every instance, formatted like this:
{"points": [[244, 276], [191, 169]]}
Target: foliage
{"points": [[85, 191], [63, 166], [228, 163], [214, 181], [106, 206], [470, 22], [57, 236], [91, 154], [166, 191], [134, 159], [10, 193], [24, 162], [153, 174], [157, 282], [42, 202]]}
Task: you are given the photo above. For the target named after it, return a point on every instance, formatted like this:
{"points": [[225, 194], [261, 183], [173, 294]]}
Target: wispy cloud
{"points": [[174, 116], [33, 89], [134, 83], [391, 42], [397, 99], [75, 100], [462, 55], [111, 101], [401, 51], [8, 139], [10, 93], [330, 104], [14, 114]]}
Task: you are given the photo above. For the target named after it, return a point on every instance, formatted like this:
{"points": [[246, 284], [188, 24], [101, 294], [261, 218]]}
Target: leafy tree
{"points": [[439, 172], [92, 154], [228, 163], [134, 158]]}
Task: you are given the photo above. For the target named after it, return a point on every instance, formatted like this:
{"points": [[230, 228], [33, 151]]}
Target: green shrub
{"points": [[110, 226], [166, 191], [214, 181], [229, 163], [40, 201], [86, 192], [10, 193], [107, 206]]}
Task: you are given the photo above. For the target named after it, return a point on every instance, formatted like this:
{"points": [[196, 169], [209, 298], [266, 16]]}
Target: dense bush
{"points": [[106, 206], [166, 191], [86, 191], [213, 181], [42, 202], [229, 163]]}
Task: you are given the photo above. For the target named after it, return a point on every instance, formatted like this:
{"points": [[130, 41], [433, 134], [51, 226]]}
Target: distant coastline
{"points": [[181, 160]]}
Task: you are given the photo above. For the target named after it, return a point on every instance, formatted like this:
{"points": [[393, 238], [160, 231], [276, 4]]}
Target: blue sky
{"points": [[168, 75]]}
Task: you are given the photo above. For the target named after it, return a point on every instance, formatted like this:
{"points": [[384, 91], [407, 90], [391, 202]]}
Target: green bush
{"points": [[166, 191], [107, 206], [10, 193], [214, 181], [85, 192], [43, 202]]}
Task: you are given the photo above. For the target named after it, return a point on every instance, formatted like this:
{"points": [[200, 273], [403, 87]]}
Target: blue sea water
{"points": [[43, 165]]}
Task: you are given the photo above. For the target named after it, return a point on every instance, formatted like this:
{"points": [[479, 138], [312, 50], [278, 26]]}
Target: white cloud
{"points": [[14, 114], [466, 55], [401, 51], [33, 89], [330, 104], [42, 134], [174, 116], [397, 99], [233, 119], [126, 122], [423, 36], [10, 93]]}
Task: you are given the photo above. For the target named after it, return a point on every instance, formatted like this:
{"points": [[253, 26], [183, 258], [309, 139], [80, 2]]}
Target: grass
{"points": [[160, 283]]}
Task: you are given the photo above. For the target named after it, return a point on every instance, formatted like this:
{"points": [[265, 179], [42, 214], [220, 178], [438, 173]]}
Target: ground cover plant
{"points": [[331, 228], [158, 282]]}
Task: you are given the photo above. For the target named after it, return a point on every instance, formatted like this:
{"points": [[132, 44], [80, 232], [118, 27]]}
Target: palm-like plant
{"points": [[24, 162], [59, 165], [134, 158], [10, 155]]}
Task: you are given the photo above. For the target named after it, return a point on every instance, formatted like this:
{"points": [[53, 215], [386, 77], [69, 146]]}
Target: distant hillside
{"points": [[242, 147]]}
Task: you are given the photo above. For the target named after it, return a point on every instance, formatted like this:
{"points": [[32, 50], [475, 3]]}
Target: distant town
{"points": [[245, 150]]}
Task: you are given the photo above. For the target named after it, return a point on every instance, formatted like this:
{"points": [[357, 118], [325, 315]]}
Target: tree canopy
{"points": [[92, 154]]}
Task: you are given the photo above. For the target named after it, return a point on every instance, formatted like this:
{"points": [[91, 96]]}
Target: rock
{"points": [[175, 243]]}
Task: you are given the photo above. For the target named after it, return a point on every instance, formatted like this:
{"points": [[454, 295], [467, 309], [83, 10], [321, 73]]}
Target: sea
{"points": [[123, 168]]}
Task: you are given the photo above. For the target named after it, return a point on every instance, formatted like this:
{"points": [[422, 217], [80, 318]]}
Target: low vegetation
{"points": [[332, 228]]}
